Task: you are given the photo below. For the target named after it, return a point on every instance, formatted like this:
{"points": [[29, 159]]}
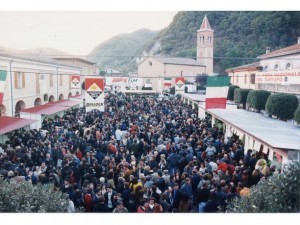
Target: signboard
{"points": [[179, 84], [126, 81], [278, 77], [75, 82], [94, 97]]}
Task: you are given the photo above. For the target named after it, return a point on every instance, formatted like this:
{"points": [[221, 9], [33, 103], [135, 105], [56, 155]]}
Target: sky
{"points": [[76, 33], [78, 26]]}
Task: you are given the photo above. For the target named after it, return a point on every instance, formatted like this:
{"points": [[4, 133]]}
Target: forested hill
{"points": [[121, 51], [238, 36]]}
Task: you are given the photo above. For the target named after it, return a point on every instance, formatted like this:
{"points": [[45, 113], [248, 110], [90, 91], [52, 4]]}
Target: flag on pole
{"points": [[167, 82], [94, 97], [2, 84], [216, 92]]}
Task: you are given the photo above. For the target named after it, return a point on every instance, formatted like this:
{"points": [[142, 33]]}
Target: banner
{"points": [[179, 84], [167, 82], [278, 77], [75, 82], [2, 84], [216, 92], [94, 97]]}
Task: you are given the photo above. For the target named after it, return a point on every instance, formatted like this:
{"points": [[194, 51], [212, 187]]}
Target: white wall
{"points": [[28, 94]]}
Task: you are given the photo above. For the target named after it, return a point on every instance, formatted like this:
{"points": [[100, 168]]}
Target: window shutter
{"points": [[16, 80], [23, 80]]}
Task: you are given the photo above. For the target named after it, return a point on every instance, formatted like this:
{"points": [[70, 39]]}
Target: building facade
{"points": [[155, 69], [32, 82], [276, 71], [244, 76]]}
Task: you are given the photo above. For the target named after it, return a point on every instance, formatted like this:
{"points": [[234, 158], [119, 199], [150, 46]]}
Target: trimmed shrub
{"points": [[297, 115], [230, 95], [25, 197], [240, 96], [277, 194], [282, 105], [257, 99]]}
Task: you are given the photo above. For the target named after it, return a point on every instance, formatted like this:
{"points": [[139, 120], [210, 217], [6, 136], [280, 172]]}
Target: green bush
{"points": [[282, 105], [230, 95], [240, 96], [277, 194], [24, 197], [297, 115], [257, 99]]}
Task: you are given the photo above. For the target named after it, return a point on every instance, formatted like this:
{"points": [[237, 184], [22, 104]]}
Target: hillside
{"points": [[239, 36], [121, 51]]}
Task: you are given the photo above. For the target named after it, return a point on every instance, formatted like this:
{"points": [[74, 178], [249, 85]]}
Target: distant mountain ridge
{"points": [[122, 50], [239, 37]]}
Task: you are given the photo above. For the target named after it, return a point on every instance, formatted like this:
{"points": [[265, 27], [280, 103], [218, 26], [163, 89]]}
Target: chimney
{"points": [[298, 40], [268, 49]]}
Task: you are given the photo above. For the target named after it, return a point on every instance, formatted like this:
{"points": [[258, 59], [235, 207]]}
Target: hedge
{"points": [[230, 95], [257, 99], [282, 105], [297, 115], [240, 96]]}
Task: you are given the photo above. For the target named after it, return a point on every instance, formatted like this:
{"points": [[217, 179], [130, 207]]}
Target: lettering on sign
{"points": [[97, 104]]}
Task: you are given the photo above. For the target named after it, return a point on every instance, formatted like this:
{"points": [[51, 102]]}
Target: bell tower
{"points": [[205, 46]]}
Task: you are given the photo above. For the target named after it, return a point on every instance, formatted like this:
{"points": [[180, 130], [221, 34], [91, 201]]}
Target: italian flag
{"points": [[216, 92], [2, 84], [167, 82]]}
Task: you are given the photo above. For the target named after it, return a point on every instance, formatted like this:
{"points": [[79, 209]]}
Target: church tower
{"points": [[205, 46]]}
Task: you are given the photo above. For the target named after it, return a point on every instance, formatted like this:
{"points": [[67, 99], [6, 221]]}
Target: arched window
{"points": [[203, 38], [266, 68], [150, 63], [288, 66], [276, 67]]}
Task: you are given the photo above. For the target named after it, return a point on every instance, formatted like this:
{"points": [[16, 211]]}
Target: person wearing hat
{"points": [[120, 207]]}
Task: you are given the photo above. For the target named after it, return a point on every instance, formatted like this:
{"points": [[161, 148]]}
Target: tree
{"points": [[297, 115], [277, 194], [102, 73], [201, 79], [282, 105], [257, 99], [240, 96], [172, 90], [25, 197], [231, 89]]}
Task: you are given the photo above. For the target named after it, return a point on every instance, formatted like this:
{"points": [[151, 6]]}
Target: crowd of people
{"points": [[141, 155]]}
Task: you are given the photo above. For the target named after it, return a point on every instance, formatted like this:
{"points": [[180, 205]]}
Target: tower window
{"points": [[203, 38]]}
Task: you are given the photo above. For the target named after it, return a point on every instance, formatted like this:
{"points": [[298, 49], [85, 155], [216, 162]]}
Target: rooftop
{"points": [[273, 132], [283, 51], [8, 124], [251, 66], [179, 61]]}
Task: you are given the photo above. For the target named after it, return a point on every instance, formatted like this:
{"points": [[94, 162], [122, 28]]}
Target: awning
{"points": [[51, 107], [65, 103], [8, 124]]}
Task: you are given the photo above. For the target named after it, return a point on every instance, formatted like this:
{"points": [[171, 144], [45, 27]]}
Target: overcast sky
{"points": [[74, 32]]}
